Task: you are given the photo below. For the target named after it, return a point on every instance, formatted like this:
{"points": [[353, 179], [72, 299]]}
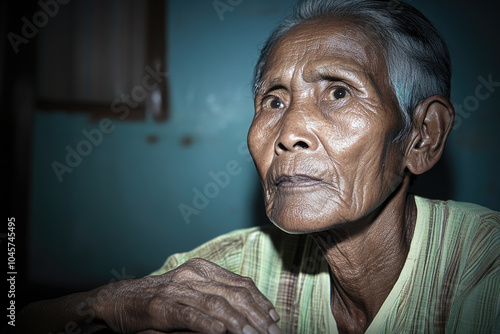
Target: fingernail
{"points": [[249, 330], [274, 315], [274, 329], [218, 327]]}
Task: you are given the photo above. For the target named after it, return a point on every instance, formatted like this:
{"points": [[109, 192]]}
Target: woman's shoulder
{"points": [[459, 215], [464, 236]]}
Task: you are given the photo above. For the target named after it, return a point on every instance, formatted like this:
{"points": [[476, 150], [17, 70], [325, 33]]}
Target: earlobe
{"points": [[432, 123]]}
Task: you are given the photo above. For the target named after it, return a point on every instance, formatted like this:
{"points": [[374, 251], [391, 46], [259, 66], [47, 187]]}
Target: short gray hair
{"points": [[417, 58]]}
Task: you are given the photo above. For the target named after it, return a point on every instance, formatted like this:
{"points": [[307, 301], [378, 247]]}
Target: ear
{"points": [[432, 123]]}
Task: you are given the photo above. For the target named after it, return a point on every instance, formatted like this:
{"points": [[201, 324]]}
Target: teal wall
{"points": [[118, 210]]}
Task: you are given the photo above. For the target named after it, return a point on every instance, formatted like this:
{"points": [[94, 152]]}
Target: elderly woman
{"points": [[351, 101]]}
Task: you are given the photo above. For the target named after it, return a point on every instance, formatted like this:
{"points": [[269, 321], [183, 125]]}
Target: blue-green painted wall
{"points": [[119, 209]]}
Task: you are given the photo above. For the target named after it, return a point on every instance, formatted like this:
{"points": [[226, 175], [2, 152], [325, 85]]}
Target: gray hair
{"points": [[417, 58]]}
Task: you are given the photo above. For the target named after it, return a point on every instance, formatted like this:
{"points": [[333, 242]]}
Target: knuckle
{"points": [[174, 317], [216, 302], [247, 282], [185, 272], [196, 261], [155, 305], [195, 268], [181, 275], [190, 313], [241, 294], [194, 319]]}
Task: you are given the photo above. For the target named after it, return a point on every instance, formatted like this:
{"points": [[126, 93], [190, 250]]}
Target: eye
{"points": [[338, 93], [273, 102]]}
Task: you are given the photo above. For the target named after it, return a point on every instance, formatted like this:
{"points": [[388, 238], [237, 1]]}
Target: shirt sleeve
{"points": [[477, 302], [225, 251]]}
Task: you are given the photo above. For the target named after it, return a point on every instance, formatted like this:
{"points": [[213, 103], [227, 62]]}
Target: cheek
{"points": [[357, 138], [346, 142], [260, 145], [375, 173]]}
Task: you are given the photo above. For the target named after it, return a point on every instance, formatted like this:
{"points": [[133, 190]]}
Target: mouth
{"points": [[296, 181]]}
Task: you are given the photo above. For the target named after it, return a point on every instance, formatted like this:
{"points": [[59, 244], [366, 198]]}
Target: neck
{"points": [[366, 258]]}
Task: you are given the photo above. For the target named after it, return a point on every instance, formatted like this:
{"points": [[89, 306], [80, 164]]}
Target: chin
{"points": [[299, 221]]}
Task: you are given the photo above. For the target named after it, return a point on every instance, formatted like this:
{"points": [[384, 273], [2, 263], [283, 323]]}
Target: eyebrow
{"points": [[353, 75], [314, 71], [264, 87], [334, 71]]}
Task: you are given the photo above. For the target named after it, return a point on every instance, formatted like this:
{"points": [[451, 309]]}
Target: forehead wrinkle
{"points": [[346, 51], [296, 55], [319, 69], [277, 81], [284, 78], [358, 58]]}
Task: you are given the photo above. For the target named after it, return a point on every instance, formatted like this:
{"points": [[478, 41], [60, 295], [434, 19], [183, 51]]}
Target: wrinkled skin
{"points": [[325, 121], [199, 296]]}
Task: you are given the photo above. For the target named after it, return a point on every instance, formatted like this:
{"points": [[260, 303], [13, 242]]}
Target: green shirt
{"points": [[450, 281]]}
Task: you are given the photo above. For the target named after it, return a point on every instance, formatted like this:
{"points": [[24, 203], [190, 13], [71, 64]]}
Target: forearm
{"points": [[198, 296], [69, 314]]}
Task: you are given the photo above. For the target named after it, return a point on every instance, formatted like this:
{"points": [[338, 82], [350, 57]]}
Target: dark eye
{"points": [[338, 93], [273, 102]]}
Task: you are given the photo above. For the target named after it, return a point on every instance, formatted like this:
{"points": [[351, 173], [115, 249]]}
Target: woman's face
{"points": [[323, 130]]}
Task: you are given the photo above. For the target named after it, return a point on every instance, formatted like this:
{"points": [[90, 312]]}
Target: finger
{"points": [[222, 275], [152, 331], [238, 317], [218, 307], [185, 317], [242, 300], [259, 298]]}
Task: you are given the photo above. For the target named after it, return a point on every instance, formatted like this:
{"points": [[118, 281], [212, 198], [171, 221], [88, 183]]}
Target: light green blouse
{"points": [[450, 281]]}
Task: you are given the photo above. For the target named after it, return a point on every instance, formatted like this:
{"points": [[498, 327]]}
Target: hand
{"points": [[198, 296]]}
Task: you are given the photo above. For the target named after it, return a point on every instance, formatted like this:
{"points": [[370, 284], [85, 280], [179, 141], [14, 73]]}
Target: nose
{"points": [[296, 134]]}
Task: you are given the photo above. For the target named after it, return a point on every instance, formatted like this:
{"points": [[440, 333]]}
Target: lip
{"points": [[296, 181]]}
